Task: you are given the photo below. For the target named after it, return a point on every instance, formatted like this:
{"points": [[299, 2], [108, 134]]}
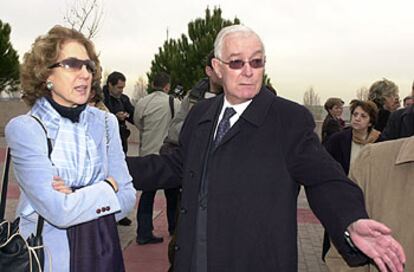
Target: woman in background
{"points": [[333, 122], [344, 147], [384, 94]]}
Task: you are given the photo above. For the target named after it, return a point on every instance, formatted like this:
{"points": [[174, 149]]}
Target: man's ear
{"points": [[217, 67]]}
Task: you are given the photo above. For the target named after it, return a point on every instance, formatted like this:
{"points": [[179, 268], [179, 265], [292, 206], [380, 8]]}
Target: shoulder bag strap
{"points": [[5, 181], [171, 101], [41, 220]]}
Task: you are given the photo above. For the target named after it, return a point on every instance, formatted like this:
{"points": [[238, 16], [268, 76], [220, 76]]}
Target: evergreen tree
{"points": [[184, 58], [9, 61]]}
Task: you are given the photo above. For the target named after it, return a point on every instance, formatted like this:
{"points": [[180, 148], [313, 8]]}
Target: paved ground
{"points": [[153, 258]]}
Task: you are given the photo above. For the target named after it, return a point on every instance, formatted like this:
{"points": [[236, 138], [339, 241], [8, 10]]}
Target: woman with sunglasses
{"points": [[76, 190], [344, 147]]}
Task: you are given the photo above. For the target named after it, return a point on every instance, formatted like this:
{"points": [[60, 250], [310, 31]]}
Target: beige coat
{"points": [[385, 172], [152, 117]]}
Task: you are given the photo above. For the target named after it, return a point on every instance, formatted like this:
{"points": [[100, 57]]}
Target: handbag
{"points": [[16, 253]]}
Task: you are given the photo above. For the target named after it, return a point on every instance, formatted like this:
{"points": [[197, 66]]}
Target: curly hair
{"points": [[381, 89], [44, 52], [369, 107]]}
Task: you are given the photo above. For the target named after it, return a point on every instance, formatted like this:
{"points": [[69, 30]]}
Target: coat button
{"points": [[108, 208], [191, 174], [176, 248], [98, 211], [183, 210]]}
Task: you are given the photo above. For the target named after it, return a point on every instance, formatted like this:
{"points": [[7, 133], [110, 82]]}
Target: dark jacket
{"points": [[254, 178], [339, 146], [382, 119], [330, 126], [400, 124]]}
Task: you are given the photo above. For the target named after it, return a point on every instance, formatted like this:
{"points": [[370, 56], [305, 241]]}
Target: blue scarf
{"points": [[74, 154]]}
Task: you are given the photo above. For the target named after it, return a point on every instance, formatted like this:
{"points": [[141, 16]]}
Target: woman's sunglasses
{"points": [[74, 64], [238, 63]]}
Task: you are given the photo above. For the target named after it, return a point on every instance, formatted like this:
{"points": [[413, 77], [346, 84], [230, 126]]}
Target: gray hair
{"points": [[381, 89], [218, 43]]}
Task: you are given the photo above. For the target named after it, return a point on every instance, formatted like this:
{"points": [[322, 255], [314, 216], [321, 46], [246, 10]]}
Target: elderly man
{"points": [[242, 158]]}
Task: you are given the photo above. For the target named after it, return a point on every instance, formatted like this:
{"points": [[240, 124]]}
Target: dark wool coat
{"points": [[400, 124], [339, 146], [254, 176]]}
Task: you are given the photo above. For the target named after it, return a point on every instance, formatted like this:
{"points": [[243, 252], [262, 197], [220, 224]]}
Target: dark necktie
{"points": [[224, 125]]}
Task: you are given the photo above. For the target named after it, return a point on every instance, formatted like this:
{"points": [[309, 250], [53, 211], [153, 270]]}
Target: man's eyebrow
{"points": [[238, 54]]}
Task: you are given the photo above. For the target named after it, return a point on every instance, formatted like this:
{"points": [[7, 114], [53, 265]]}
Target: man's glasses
{"points": [[238, 63], [74, 64]]}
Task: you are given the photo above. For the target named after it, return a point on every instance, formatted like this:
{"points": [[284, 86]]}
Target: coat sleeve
{"points": [[334, 199], [34, 173]]}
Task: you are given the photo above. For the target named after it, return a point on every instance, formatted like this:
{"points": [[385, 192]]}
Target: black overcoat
{"points": [[254, 179]]}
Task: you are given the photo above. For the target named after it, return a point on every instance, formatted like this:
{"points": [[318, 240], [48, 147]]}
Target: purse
{"points": [[16, 253]]}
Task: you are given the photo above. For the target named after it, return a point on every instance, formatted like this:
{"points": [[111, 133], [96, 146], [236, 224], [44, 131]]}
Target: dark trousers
{"points": [[146, 208]]}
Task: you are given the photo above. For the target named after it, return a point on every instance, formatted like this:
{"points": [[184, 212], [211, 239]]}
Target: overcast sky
{"points": [[336, 46]]}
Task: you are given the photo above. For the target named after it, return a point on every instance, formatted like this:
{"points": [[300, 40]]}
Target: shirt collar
{"points": [[239, 108]]}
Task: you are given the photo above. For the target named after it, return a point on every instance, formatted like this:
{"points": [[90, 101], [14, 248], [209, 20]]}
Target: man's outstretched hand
{"points": [[374, 240]]}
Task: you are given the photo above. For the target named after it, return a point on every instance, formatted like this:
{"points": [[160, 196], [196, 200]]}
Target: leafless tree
{"points": [[311, 98], [362, 93], [85, 16], [140, 90]]}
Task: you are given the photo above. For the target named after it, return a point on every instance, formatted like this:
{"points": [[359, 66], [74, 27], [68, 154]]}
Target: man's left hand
{"points": [[374, 240]]}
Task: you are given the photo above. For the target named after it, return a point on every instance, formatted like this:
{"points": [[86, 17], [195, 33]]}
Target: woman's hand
{"points": [[58, 184]]}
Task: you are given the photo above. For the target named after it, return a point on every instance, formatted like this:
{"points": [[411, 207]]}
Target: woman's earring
{"points": [[49, 85]]}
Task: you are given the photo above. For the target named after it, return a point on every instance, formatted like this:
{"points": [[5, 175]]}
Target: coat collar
{"points": [[255, 113], [406, 153]]}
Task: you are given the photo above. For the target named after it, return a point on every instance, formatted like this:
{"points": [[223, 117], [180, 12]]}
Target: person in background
{"points": [[153, 115], [333, 122], [119, 104], [96, 97], [205, 88], [408, 101], [241, 159], [344, 147], [76, 190], [385, 173], [401, 122], [383, 93]]}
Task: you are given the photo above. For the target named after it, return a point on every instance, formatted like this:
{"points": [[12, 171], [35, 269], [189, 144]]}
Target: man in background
{"points": [[207, 87], [119, 104], [153, 115]]}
